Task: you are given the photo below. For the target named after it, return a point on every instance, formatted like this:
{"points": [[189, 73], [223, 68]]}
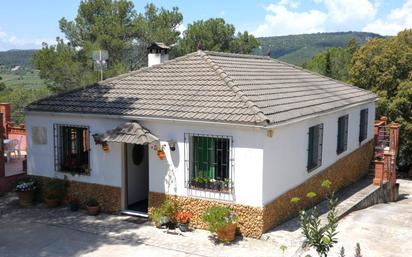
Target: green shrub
{"points": [[166, 210], [218, 218], [92, 202]]}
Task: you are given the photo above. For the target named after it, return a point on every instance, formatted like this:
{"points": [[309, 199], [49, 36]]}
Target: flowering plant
{"points": [[184, 217], [72, 199], [26, 185], [158, 147]]}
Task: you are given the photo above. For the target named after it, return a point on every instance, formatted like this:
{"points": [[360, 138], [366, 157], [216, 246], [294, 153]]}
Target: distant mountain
{"points": [[13, 57], [298, 49], [295, 49]]}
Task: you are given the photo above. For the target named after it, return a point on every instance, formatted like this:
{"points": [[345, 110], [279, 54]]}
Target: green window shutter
{"points": [[310, 148], [342, 134], [319, 145], [363, 130], [204, 157], [345, 134]]}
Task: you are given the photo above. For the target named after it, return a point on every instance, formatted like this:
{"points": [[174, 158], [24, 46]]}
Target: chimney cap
{"points": [[158, 46]]}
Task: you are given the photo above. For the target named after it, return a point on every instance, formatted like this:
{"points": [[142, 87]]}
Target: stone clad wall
{"points": [[109, 197], [250, 221], [254, 221]]}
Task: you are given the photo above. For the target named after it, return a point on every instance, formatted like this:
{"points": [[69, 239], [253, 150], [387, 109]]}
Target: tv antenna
{"points": [[100, 58]]}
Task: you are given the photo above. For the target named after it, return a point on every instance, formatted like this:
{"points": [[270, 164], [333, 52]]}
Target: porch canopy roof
{"points": [[131, 133]]}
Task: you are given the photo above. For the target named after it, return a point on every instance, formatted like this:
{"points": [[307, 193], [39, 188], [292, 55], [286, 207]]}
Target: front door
{"points": [[137, 177]]}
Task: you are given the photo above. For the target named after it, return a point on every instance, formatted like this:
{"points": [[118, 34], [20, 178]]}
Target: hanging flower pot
{"points": [[160, 151], [161, 154], [105, 147]]}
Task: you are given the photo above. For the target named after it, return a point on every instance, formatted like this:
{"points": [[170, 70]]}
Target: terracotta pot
{"points": [[161, 155], [26, 198], [226, 234], [52, 203], [93, 210]]}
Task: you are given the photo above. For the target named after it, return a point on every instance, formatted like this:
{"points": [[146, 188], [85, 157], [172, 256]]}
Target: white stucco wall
{"points": [[285, 156], [165, 176], [264, 167], [106, 168], [169, 175]]}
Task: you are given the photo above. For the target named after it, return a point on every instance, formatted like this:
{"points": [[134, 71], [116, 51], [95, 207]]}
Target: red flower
{"points": [[184, 217]]}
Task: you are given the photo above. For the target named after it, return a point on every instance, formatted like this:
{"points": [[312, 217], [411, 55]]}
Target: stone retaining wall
{"points": [[254, 221], [109, 197]]}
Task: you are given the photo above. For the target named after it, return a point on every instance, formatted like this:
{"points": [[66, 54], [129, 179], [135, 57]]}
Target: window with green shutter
{"points": [[363, 125], [342, 143], [315, 141], [71, 149], [209, 162]]}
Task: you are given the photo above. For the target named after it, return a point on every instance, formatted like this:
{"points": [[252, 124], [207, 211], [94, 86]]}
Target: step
{"points": [[135, 214]]}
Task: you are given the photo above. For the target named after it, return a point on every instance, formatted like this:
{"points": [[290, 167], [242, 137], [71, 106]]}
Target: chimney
{"points": [[158, 53]]}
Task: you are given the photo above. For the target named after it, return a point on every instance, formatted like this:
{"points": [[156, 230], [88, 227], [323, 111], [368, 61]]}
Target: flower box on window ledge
{"points": [[201, 183]]}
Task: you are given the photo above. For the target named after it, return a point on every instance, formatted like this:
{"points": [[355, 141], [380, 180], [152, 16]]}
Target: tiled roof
{"points": [[129, 132], [211, 86]]}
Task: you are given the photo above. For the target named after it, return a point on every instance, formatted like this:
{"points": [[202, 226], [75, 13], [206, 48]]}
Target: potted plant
{"points": [[222, 221], [25, 189], [160, 151], [93, 207], [183, 220], [55, 191], [227, 184], [73, 201], [165, 215]]}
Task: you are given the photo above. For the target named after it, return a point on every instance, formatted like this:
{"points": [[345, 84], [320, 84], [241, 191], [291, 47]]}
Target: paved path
{"points": [[383, 230], [58, 232]]}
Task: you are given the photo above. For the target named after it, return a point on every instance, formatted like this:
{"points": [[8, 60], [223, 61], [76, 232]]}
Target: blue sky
{"points": [[24, 24]]}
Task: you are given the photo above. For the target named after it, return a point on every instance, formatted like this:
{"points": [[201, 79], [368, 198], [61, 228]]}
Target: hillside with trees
{"points": [[298, 49], [384, 66], [11, 58]]}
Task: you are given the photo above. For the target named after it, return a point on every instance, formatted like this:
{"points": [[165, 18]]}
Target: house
{"points": [[245, 131]]}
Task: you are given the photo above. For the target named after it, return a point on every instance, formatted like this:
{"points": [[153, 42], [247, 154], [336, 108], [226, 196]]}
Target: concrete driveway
{"points": [[384, 230]]}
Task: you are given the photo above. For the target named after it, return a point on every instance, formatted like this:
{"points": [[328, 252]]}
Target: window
{"points": [[209, 163], [342, 134], [71, 145], [363, 129], [315, 147]]}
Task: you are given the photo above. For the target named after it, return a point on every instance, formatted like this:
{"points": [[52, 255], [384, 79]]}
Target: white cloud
{"points": [[8, 41], [290, 3], [398, 19], [282, 21], [352, 11], [337, 15]]}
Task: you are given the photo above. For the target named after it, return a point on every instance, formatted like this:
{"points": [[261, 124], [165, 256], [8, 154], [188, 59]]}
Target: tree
{"points": [[385, 67], [215, 35], [104, 24], [2, 86], [334, 62]]}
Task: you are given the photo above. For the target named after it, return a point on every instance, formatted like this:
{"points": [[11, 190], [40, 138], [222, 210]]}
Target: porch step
{"points": [[135, 214]]}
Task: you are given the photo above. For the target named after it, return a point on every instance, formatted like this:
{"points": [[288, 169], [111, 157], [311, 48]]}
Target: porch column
{"points": [[2, 168]]}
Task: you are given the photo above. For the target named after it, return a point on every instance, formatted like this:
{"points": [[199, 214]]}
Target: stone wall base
{"points": [[254, 221], [250, 218], [109, 197]]}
